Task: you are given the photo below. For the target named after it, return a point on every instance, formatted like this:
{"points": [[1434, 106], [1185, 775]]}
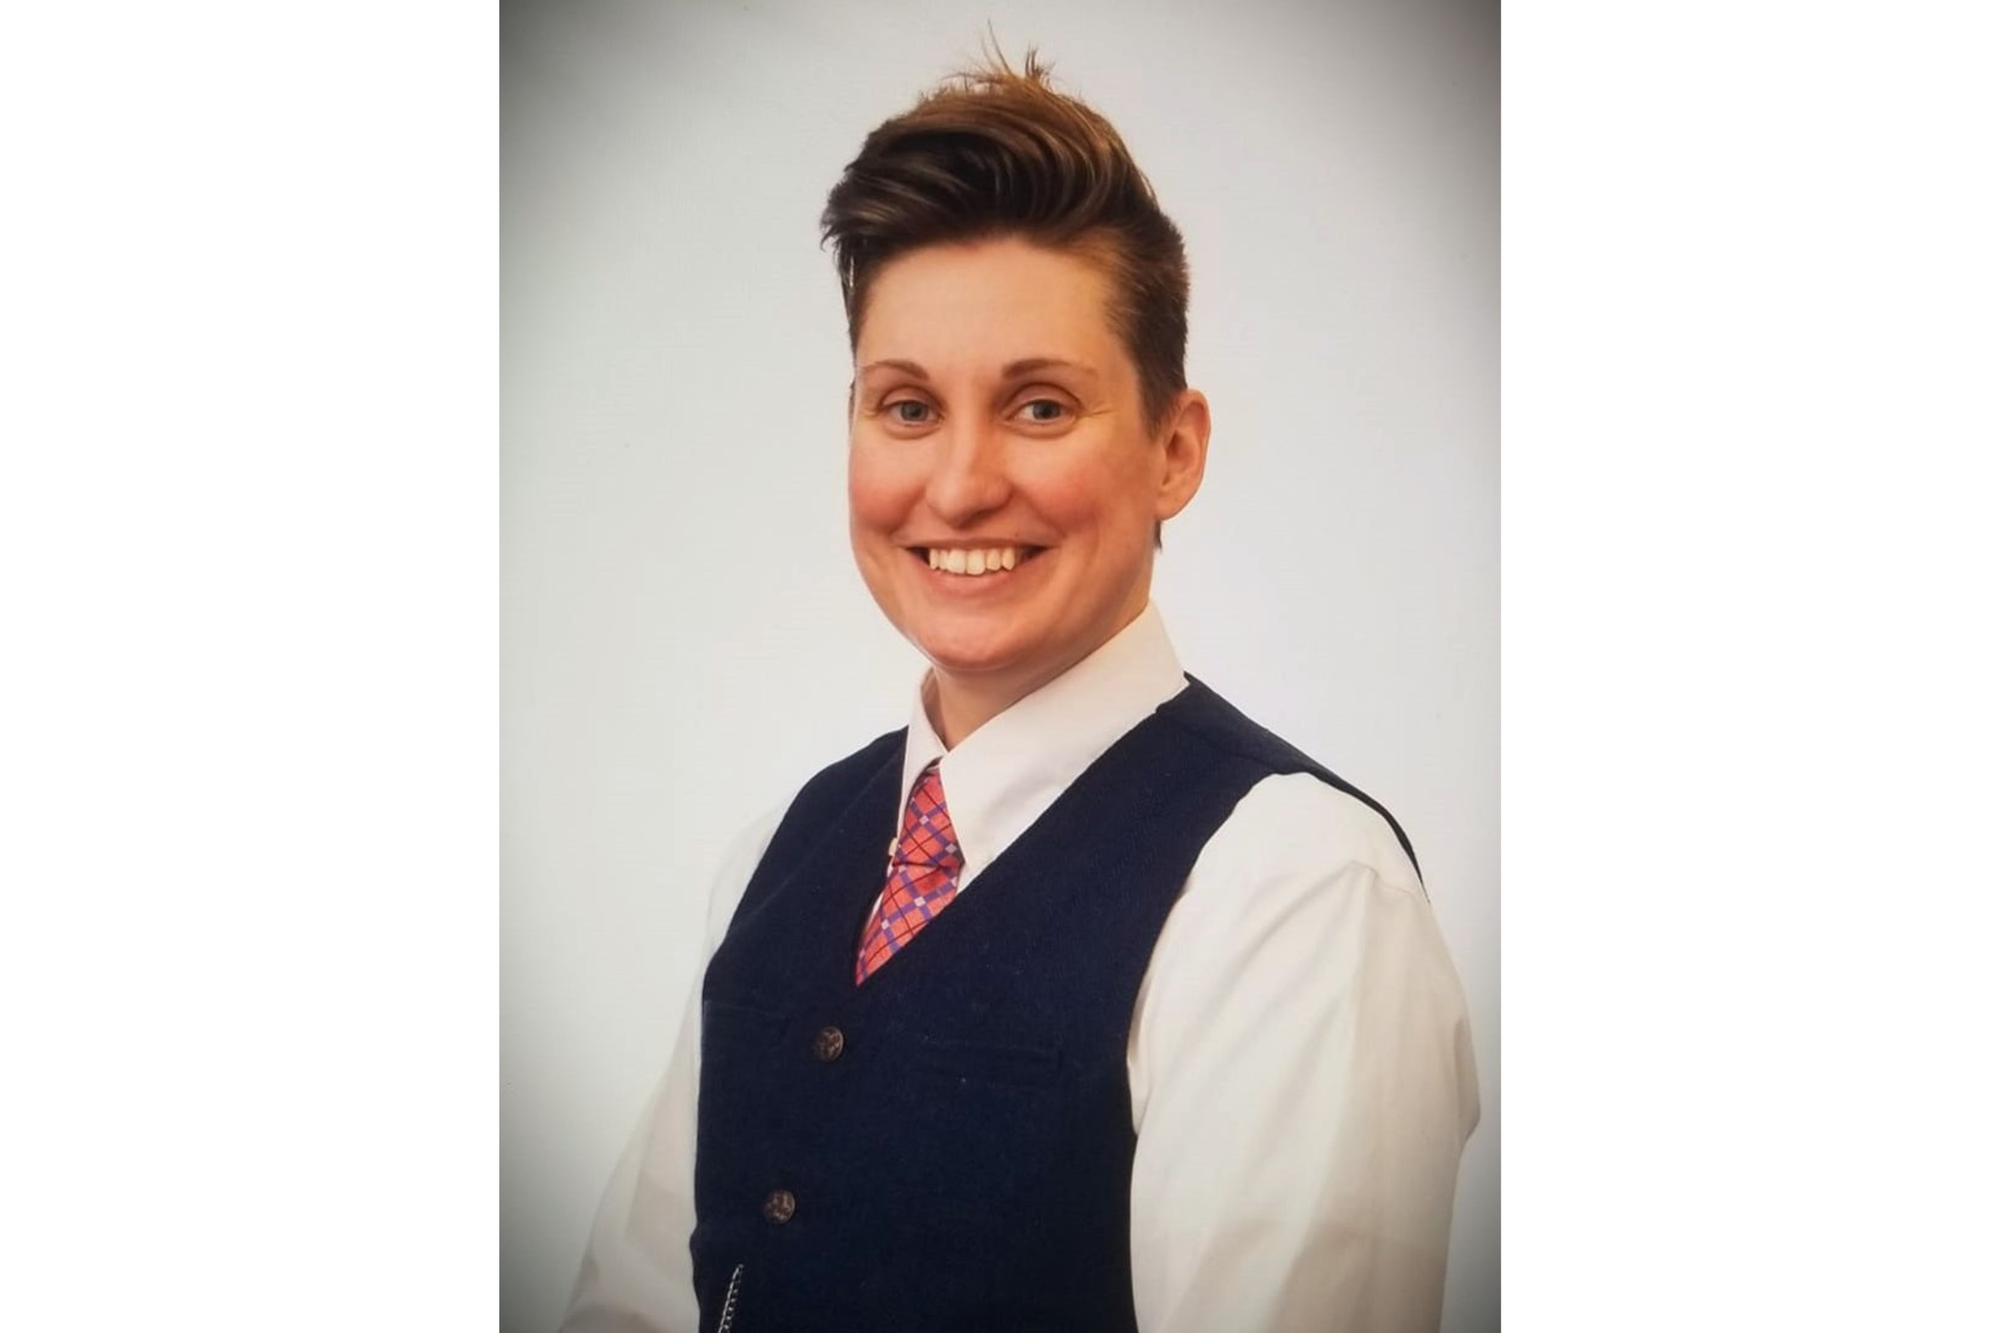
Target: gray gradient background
{"points": [[683, 636]]}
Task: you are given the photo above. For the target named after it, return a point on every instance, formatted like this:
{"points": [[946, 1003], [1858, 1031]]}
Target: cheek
{"points": [[1099, 495], [878, 495]]}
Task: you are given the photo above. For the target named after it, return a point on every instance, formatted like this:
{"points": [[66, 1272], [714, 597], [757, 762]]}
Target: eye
{"points": [[909, 412], [1043, 411]]}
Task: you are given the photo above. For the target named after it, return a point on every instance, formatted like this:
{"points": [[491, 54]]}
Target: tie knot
{"points": [[927, 838]]}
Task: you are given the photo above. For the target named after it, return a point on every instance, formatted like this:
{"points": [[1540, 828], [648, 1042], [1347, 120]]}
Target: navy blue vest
{"points": [[949, 1146]]}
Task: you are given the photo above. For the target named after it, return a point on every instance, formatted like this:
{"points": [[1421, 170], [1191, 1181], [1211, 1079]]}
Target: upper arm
{"points": [[1302, 1080]]}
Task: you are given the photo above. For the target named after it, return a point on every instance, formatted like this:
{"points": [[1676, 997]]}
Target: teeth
{"points": [[991, 560]]}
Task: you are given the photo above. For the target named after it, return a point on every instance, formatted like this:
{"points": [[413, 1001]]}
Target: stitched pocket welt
{"points": [[988, 1061], [722, 1020]]}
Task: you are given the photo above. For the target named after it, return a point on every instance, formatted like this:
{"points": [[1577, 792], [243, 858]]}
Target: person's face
{"points": [[1002, 485]]}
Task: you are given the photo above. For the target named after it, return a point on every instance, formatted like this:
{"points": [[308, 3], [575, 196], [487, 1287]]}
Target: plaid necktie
{"points": [[923, 876]]}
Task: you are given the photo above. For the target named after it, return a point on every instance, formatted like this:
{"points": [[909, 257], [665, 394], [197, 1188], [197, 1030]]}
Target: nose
{"points": [[968, 474]]}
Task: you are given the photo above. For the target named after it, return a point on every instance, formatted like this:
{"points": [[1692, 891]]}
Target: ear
{"points": [[1186, 454]]}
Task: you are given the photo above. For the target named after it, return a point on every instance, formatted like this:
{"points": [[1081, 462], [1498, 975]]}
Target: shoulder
{"points": [[1303, 907], [783, 827], [1300, 808], [843, 775], [1295, 826], [828, 793]]}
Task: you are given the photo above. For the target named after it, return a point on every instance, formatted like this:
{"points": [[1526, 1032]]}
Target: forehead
{"points": [[988, 301]]}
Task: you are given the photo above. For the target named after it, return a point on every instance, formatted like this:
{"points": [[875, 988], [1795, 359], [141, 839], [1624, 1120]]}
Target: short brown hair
{"points": [[992, 153]]}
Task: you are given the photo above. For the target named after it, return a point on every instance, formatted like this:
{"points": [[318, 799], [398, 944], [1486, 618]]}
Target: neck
{"points": [[959, 704]]}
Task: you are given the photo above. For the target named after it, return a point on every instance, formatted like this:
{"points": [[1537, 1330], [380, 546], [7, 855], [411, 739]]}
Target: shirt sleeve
{"points": [[1302, 1081], [637, 1275]]}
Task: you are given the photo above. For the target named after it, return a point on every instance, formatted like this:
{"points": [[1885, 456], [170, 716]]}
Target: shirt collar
{"points": [[1000, 779]]}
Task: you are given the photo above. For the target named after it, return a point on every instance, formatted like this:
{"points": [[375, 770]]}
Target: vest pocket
{"points": [[991, 1062], [723, 1020]]}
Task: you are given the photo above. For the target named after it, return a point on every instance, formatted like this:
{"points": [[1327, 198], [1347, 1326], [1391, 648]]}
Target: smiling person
{"points": [[1082, 1001]]}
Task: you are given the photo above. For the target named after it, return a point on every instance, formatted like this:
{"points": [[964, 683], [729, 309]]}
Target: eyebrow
{"points": [[1025, 366], [1035, 363]]}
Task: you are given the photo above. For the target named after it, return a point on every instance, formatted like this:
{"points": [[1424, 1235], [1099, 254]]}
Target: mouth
{"points": [[974, 562]]}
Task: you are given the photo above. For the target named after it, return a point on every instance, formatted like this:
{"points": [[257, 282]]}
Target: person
{"points": [[1143, 1021]]}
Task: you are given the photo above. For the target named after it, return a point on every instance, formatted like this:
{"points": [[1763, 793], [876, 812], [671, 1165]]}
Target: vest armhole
{"points": [[1212, 718]]}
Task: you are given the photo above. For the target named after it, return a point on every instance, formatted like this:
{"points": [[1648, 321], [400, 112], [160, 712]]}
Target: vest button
{"points": [[829, 1044], [779, 1205]]}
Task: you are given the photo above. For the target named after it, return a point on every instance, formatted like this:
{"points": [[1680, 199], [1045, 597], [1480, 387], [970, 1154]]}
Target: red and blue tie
{"points": [[923, 876]]}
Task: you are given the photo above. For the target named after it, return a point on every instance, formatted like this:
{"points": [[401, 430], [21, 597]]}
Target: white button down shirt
{"points": [[1300, 1060]]}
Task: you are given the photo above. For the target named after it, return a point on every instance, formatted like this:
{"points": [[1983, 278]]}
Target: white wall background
{"points": [[684, 638]]}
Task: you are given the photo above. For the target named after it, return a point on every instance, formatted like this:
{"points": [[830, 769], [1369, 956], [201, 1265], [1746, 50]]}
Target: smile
{"points": [[977, 561]]}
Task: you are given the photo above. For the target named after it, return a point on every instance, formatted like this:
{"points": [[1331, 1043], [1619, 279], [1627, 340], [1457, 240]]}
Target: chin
{"points": [[966, 659]]}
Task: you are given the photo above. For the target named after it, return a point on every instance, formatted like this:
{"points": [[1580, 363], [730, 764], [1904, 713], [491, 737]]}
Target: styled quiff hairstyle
{"points": [[991, 153]]}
